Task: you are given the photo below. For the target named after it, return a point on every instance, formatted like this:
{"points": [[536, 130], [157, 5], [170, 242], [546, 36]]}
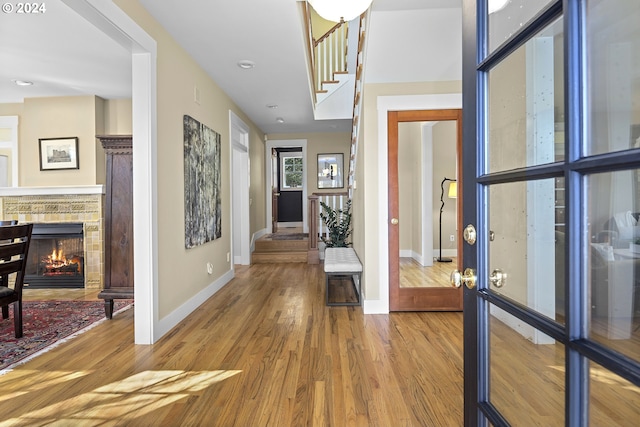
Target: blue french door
{"points": [[551, 166]]}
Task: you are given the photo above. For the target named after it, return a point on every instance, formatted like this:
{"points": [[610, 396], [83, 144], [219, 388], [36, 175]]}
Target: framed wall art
{"points": [[330, 170], [59, 153], [202, 183]]}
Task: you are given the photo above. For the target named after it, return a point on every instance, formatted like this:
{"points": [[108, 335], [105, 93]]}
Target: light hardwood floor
{"points": [[266, 351], [414, 275]]}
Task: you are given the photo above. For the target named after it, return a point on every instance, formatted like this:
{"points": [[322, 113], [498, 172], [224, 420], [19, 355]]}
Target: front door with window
{"points": [[551, 161], [290, 180]]}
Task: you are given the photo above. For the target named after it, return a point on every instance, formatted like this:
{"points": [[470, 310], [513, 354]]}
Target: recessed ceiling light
{"points": [[272, 106], [245, 64], [23, 82], [280, 120]]}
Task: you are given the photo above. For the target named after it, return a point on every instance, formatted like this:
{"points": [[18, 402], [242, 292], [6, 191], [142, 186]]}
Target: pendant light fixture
{"points": [[337, 10]]}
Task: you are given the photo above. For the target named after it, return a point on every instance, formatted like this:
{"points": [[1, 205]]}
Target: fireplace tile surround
{"points": [[83, 204]]}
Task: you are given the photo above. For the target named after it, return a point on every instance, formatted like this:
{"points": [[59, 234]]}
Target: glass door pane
{"points": [[427, 165], [614, 260], [506, 17], [527, 372], [613, 36], [525, 247], [613, 400], [526, 104]]}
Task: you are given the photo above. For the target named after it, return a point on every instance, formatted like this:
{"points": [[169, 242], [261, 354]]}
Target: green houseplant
{"points": [[338, 222]]}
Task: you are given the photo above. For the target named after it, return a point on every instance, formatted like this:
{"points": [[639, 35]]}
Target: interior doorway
{"points": [[296, 151], [241, 244]]}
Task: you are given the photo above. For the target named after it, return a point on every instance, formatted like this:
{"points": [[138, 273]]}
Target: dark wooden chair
{"points": [[4, 280], [14, 248]]}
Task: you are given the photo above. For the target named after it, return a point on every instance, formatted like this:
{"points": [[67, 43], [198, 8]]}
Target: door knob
{"points": [[468, 278], [498, 278], [469, 234], [394, 221]]}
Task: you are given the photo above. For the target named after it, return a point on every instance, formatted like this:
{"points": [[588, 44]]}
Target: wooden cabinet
{"points": [[118, 221]]}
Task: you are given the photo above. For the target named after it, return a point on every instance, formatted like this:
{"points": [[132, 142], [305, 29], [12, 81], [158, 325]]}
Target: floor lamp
{"points": [[453, 192]]}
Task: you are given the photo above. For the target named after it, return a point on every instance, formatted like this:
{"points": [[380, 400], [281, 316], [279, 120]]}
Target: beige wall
{"points": [[257, 184], [177, 75], [319, 25], [82, 116], [317, 143], [14, 109], [367, 217], [118, 117], [73, 116]]}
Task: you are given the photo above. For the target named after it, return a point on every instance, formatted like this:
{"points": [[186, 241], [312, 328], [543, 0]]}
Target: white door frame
{"points": [[110, 19], [11, 122], [240, 228], [269, 145]]}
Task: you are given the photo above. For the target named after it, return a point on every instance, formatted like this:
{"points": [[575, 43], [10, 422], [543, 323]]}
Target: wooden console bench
{"points": [[343, 263]]}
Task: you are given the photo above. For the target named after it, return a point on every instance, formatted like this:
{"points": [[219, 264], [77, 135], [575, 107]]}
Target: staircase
{"points": [[335, 62], [278, 249]]}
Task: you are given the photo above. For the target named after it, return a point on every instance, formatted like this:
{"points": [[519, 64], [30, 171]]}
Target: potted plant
{"points": [[338, 222]]}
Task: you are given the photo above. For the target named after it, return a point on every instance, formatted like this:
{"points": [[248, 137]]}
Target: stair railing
{"points": [[330, 54], [317, 228]]}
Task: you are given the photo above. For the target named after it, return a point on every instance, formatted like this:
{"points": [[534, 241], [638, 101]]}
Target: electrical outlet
{"points": [[209, 268], [452, 238]]}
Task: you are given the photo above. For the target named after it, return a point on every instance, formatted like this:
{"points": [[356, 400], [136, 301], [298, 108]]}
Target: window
{"points": [[291, 171]]}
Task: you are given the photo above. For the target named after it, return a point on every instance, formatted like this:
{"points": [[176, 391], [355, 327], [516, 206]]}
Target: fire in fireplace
{"points": [[56, 256]]}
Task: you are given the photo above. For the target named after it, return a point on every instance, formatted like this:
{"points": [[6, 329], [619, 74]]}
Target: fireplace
{"points": [[56, 256]]}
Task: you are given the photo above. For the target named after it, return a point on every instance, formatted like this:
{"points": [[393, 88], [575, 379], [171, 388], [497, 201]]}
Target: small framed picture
{"points": [[59, 153], [330, 171]]}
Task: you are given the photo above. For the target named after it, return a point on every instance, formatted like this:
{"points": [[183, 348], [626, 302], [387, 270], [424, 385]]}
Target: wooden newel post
{"points": [[313, 255]]}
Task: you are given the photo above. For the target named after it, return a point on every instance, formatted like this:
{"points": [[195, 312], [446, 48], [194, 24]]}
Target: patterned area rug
{"points": [[48, 323]]}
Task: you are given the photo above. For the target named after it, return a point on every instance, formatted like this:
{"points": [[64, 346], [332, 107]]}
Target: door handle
{"points": [[468, 278], [469, 234], [498, 278], [394, 221]]}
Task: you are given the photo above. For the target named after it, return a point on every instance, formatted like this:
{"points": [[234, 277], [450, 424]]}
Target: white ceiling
{"points": [[64, 55]]}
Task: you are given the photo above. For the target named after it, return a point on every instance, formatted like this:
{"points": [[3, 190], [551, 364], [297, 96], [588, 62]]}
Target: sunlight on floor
{"points": [[606, 377], [130, 398], [45, 379]]}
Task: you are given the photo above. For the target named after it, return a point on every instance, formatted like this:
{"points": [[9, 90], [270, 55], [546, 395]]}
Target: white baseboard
{"points": [[408, 253], [445, 253], [375, 307], [165, 324], [258, 234]]}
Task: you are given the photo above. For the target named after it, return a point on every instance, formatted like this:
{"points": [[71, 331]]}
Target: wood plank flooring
{"points": [[414, 275], [264, 351]]}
